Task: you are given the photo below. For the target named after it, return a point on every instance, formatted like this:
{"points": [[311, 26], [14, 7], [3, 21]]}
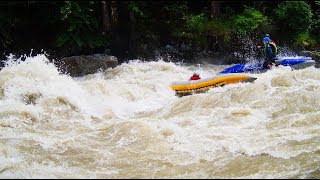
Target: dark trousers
{"points": [[268, 60]]}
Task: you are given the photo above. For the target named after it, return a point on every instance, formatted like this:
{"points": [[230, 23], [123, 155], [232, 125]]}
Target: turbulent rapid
{"points": [[126, 122]]}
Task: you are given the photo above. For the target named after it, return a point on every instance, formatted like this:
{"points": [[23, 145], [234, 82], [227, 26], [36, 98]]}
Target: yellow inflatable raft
{"points": [[183, 88]]}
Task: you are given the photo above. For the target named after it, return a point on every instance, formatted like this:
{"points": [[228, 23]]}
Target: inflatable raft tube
{"points": [[183, 88], [294, 63]]}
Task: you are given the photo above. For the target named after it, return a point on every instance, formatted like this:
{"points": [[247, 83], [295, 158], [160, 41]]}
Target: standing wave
{"points": [[126, 122]]}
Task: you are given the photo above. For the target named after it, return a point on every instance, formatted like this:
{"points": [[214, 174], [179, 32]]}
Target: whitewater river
{"points": [[126, 122]]}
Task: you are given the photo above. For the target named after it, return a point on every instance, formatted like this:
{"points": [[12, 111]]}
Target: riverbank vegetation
{"points": [[141, 29]]}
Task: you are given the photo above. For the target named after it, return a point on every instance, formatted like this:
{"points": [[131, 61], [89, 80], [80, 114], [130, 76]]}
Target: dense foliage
{"points": [[297, 16], [80, 27], [138, 28]]}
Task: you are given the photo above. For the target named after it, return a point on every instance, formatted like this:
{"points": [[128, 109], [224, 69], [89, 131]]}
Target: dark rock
{"points": [[315, 55], [82, 65]]}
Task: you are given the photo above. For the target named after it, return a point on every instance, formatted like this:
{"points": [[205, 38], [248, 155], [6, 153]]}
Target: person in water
{"points": [[195, 76], [269, 52]]}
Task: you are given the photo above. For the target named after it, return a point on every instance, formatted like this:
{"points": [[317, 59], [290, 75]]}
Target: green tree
{"points": [[195, 26], [80, 30], [297, 16], [249, 21], [316, 25], [157, 23]]}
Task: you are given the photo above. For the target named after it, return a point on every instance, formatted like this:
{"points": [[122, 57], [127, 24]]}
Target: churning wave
{"points": [[126, 122]]}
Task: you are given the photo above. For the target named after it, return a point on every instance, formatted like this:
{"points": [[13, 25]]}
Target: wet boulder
{"points": [[315, 55], [82, 65]]}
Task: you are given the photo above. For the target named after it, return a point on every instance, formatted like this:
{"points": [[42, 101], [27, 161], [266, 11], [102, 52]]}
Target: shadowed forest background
{"points": [[145, 29]]}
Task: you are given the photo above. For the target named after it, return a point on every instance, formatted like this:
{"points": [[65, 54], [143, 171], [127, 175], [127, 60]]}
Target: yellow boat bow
{"points": [[202, 85]]}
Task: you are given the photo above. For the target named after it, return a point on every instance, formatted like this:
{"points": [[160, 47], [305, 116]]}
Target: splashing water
{"points": [[127, 123]]}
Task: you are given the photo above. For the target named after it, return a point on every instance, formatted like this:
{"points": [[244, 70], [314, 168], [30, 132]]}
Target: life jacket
{"points": [[274, 47], [270, 47]]}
